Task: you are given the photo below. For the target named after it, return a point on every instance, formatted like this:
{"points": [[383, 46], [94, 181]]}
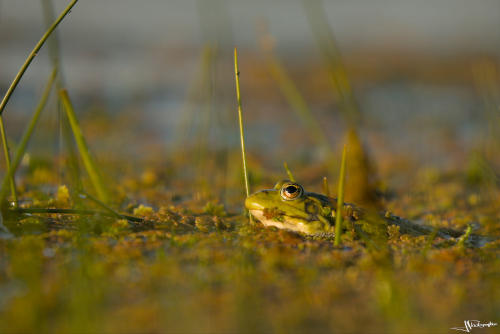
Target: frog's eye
{"points": [[291, 191]]}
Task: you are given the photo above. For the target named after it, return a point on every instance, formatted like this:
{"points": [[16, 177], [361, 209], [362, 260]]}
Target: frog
{"points": [[289, 206]]}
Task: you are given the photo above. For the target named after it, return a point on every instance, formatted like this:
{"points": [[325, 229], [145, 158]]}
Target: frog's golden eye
{"points": [[291, 191]]}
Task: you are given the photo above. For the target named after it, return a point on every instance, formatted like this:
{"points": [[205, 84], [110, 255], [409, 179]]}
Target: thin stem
{"points": [[340, 199], [7, 162], [53, 41], [325, 39], [326, 188], [463, 238], [65, 139], [240, 118], [76, 212], [21, 148], [290, 175], [88, 162], [32, 55], [101, 204], [297, 101]]}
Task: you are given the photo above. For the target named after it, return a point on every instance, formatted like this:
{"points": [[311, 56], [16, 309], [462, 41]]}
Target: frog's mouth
{"points": [[253, 206], [281, 221]]}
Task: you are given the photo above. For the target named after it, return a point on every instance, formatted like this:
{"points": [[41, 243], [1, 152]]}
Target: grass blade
{"points": [[32, 55], [66, 142], [325, 39], [297, 101], [463, 238], [326, 188], [8, 166], [21, 148], [101, 204], [240, 118], [88, 162], [340, 199], [290, 175]]}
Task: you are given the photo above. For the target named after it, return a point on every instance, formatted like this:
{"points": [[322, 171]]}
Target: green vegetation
{"points": [[240, 120], [160, 244], [340, 199]]}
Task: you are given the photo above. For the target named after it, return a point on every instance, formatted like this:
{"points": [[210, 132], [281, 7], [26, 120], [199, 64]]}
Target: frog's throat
{"points": [[290, 223]]}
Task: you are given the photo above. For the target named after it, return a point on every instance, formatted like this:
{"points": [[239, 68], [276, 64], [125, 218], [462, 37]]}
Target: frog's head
{"points": [[288, 206]]}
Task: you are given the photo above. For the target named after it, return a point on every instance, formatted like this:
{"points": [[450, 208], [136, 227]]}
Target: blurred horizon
{"points": [[134, 40], [411, 65]]}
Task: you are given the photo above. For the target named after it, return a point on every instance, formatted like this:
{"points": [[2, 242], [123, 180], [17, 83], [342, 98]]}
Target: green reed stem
{"points": [[290, 175], [463, 238], [240, 118], [340, 199], [88, 162], [32, 55], [84, 195], [53, 41], [297, 101], [7, 162], [430, 240], [327, 44], [65, 137], [326, 188], [21, 148]]}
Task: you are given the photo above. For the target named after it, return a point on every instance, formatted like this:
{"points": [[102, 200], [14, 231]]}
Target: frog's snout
{"points": [[256, 201], [252, 204]]}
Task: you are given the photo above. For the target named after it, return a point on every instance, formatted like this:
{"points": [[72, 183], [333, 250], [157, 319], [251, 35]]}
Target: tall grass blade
{"points": [[461, 242], [325, 39], [196, 92], [32, 55], [65, 139], [84, 195], [7, 162], [289, 172], [21, 148], [88, 162], [53, 40], [297, 101], [326, 188], [340, 199], [240, 118], [363, 179]]}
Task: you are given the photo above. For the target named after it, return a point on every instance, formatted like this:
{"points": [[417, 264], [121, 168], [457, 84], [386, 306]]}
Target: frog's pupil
{"points": [[291, 189]]}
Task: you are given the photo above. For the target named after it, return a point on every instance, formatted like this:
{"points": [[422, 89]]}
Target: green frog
{"points": [[289, 206]]}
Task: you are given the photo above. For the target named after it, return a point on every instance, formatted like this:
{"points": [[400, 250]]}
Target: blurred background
{"points": [[412, 88], [422, 77]]}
